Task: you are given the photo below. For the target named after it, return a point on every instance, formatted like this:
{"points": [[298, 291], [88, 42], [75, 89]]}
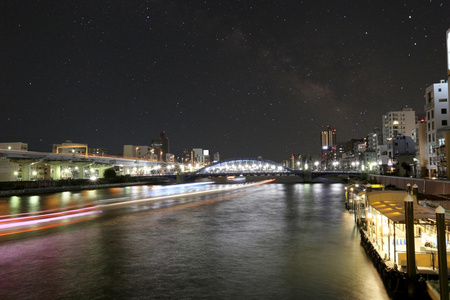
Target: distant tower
{"points": [[329, 144], [161, 146], [216, 157], [328, 138]]}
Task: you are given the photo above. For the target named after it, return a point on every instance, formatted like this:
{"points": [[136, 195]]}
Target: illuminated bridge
{"points": [[255, 167], [244, 166]]}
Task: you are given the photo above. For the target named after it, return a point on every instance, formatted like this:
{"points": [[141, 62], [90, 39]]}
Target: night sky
{"points": [[243, 78]]}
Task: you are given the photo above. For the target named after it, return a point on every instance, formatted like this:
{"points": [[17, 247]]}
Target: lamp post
{"points": [[410, 247], [442, 252], [415, 192]]}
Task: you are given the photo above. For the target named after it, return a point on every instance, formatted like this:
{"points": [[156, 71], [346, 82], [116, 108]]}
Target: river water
{"points": [[272, 241]]}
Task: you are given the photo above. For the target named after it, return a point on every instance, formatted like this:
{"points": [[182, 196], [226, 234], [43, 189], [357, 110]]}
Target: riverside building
{"points": [[394, 122], [437, 120]]}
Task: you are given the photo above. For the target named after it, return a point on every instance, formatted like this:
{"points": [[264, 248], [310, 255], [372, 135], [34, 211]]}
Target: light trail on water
{"points": [[19, 223]]}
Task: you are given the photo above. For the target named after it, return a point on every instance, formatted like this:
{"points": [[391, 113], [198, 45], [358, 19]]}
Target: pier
{"points": [[383, 226]]}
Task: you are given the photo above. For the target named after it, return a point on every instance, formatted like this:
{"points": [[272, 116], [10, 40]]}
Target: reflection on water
{"points": [[272, 241]]}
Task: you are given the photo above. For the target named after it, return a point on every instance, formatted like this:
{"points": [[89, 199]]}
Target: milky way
{"points": [[243, 78]]}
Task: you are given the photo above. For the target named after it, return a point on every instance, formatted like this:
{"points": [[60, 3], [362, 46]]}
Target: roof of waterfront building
{"points": [[392, 205]]}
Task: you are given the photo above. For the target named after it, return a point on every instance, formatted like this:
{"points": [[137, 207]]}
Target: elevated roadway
{"points": [[26, 159]]}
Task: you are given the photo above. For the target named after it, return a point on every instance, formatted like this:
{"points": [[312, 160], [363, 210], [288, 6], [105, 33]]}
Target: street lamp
{"points": [[335, 164]]}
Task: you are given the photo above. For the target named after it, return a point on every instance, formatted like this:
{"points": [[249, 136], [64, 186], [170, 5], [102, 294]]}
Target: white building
{"points": [[395, 122], [437, 119]]}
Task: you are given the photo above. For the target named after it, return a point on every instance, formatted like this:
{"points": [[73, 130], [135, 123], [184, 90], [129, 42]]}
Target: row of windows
{"points": [[431, 137], [430, 114], [443, 123]]}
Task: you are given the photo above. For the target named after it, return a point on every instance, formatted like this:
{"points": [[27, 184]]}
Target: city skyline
{"points": [[243, 79]]}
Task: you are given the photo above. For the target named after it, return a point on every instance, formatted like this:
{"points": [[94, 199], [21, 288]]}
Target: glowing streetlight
{"points": [[335, 164]]}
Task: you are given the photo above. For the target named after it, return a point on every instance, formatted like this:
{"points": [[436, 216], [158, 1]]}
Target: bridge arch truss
{"points": [[244, 166]]}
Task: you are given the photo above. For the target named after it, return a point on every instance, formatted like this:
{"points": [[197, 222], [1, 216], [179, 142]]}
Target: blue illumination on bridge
{"points": [[244, 165]]}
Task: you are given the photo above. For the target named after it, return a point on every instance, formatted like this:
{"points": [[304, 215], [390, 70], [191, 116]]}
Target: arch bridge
{"points": [[264, 167], [244, 166]]}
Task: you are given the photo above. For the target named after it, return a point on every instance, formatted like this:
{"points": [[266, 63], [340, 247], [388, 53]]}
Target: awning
{"points": [[392, 205]]}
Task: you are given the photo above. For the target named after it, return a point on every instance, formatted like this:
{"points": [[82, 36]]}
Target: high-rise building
{"points": [[161, 145], [216, 157], [446, 149], [328, 138], [328, 143], [395, 122], [437, 120], [374, 139]]}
